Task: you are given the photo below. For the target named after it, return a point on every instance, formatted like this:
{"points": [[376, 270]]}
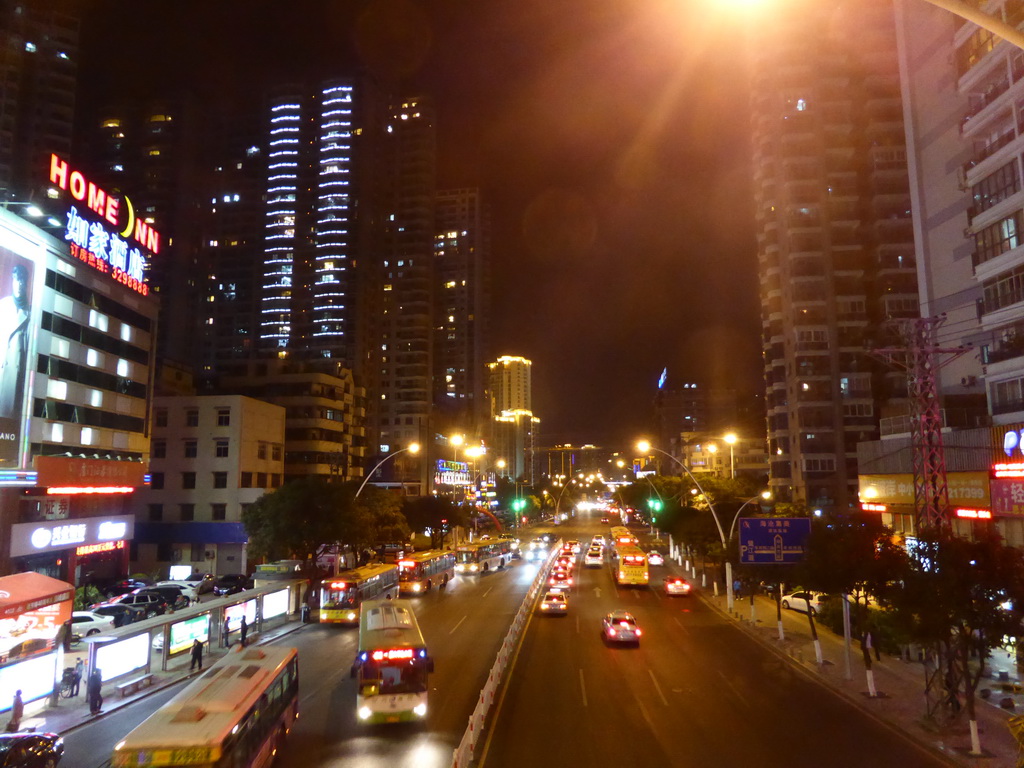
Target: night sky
{"points": [[610, 136]]}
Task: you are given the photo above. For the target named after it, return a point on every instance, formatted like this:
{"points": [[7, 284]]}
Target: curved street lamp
{"points": [[644, 446], [413, 448]]}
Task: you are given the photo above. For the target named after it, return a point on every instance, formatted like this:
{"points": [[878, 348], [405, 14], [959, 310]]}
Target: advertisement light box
{"points": [[184, 633], [122, 656], [275, 604]]}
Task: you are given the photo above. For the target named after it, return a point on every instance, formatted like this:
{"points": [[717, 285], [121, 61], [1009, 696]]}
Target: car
{"points": [[152, 603], [29, 749], [554, 604], [200, 582], [620, 627], [654, 557], [574, 546], [677, 585], [599, 540], [538, 542], [559, 580], [172, 595], [803, 600], [593, 558], [186, 589], [231, 584], [604, 521], [121, 614], [125, 586], [564, 561], [85, 623]]}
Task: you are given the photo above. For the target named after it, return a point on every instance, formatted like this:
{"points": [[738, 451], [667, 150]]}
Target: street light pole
{"points": [[644, 447], [412, 448], [731, 440], [994, 25]]}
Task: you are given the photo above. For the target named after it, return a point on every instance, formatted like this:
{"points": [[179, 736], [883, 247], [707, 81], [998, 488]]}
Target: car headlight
{"points": [[364, 713]]}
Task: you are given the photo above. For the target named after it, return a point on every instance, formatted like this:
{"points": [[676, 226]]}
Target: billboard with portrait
{"points": [[21, 272]]}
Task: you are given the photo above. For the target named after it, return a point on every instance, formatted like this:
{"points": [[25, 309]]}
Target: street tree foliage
{"points": [[953, 596], [305, 517], [856, 556], [430, 512]]}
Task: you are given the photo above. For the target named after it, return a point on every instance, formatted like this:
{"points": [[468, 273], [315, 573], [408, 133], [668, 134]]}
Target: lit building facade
{"points": [[463, 299], [211, 457], [835, 242], [75, 384], [510, 384]]}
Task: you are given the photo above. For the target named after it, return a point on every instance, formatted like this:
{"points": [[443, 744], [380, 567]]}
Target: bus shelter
{"points": [[164, 642]]}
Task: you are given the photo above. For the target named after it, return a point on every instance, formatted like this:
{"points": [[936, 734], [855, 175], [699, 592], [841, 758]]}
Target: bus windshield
{"points": [[463, 556], [340, 595], [390, 679]]}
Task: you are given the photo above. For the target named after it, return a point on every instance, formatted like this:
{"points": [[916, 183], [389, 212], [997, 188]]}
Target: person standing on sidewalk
{"points": [[76, 681], [197, 655], [17, 712], [244, 631], [227, 631], [94, 691]]}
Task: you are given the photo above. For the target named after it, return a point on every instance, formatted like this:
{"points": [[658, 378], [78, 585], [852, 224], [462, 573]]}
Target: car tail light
{"points": [[611, 631]]}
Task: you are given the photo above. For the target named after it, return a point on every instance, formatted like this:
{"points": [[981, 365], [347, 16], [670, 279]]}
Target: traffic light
{"points": [[655, 505], [519, 505]]}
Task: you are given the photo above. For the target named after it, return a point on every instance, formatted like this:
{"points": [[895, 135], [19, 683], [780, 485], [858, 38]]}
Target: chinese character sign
{"points": [[773, 540]]}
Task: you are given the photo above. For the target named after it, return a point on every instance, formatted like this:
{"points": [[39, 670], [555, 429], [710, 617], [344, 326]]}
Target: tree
{"points": [[433, 513], [953, 598]]}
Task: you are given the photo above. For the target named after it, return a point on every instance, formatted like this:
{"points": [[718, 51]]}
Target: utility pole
{"points": [[919, 356]]}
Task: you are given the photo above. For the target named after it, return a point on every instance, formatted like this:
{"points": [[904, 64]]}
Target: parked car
{"points": [[30, 750], [125, 586], [153, 603], [85, 623], [173, 595], [803, 600], [186, 589], [231, 584], [121, 614]]}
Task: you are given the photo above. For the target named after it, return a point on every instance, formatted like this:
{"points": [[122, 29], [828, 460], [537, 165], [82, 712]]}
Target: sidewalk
{"points": [[900, 685], [69, 714]]}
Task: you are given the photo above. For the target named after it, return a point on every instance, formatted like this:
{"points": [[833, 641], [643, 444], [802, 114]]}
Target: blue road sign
{"points": [[773, 540]]}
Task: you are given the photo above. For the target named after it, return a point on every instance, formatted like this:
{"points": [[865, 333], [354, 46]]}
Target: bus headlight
{"points": [[364, 713], [416, 587], [420, 710], [351, 616], [472, 567]]}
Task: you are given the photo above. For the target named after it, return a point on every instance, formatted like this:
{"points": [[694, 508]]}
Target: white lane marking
{"points": [[457, 624], [636, 595], [577, 623], [643, 711], [735, 690], [657, 687], [583, 689], [485, 593]]}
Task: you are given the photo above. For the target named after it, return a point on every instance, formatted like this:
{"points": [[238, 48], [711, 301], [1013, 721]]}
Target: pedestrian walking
{"points": [[76, 681], [244, 631], [94, 691], [227, 632], [197, 655], [17, 712]]}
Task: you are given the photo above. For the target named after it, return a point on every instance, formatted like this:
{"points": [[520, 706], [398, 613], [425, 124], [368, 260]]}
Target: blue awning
{"points": [[190, 533]]}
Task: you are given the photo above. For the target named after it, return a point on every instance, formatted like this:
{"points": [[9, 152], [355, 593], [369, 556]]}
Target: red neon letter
{"points": [[77, 185], [113, 208], [97, 199], [58, 172]]}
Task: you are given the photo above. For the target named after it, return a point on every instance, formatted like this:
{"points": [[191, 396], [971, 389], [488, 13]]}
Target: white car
{"points": [[85, 623], [803, 600], [593, 557], [599, 539], [654, 557], [554, 604], [677, 585], [620, 627]]}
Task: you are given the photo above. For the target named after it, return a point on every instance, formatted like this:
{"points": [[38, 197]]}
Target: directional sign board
{"points": [[773, 540]]}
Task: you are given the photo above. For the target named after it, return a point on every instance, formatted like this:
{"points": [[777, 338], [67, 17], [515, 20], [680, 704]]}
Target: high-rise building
{"points": [[963, 92], [462, 299], [835, 241], [510, 385], [38, 67]]}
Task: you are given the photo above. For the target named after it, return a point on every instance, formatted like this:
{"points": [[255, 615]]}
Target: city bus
{"points": [[392, 664], [422, 570], [482, 556], [236, 713], [341, 596], [629, 565], [622, 535]]}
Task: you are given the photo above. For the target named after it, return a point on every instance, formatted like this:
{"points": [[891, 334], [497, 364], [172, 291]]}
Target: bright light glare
{"points": [[420, 710], [414, 448], [643, 446], [364, 713]]}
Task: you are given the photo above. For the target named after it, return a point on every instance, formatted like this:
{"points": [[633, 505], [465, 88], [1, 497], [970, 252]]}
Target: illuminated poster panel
{"points": [[33, 677], [21, 273], [275, 604], [33, 632], [184, 633], [235, 613], [120, 657]]}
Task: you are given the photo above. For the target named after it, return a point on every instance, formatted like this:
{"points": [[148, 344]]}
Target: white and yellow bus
{"points": [[420, 571], [236, 713], [341, 596], [629, 565], [392, 664], [482, 556], [622, 535]]}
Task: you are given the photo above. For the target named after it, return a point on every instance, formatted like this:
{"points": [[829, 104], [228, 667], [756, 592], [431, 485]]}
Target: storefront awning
{"points": [[23, 592]]}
